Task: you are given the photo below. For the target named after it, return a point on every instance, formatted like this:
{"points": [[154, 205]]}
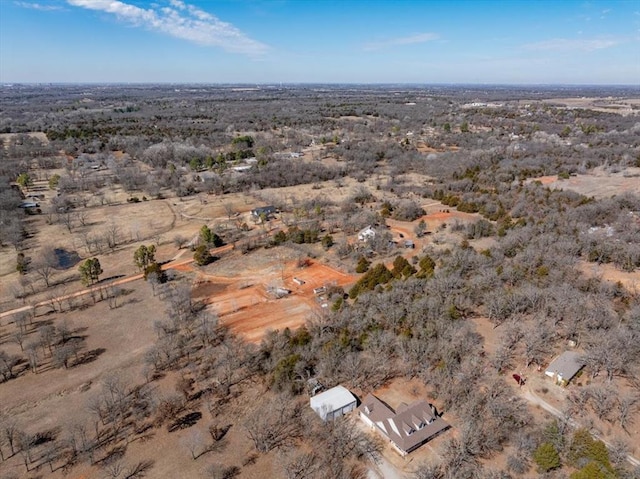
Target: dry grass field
{"points": [[620, 106], [599, 183]]}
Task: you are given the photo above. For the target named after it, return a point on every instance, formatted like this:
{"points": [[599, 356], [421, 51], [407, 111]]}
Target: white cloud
{"points": [[566, 44], [38, 6], [182, 21], [410, 40]]}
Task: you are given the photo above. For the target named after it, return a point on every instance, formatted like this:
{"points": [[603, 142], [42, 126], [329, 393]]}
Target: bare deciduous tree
{"points": [[180, 241], [10, 431], [195, 443], [8, 363], [45, 265], [298, 464], [273, 423], [32, 356], [112, 235], [18, 337]]}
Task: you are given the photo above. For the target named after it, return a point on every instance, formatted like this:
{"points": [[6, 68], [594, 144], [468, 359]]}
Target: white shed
{"points": [[367, 234], [565, 367], [333, 403]]}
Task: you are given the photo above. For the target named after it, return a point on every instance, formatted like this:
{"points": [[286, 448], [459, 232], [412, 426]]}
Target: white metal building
{"points": [[333, 403]]}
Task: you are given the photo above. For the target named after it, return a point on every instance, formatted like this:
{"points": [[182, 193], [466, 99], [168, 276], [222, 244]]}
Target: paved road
{"points": [[172, 264]]}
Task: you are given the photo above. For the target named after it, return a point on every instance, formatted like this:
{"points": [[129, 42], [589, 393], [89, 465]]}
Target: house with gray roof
{"points": [[265, 212], [407, 428], [563, 368]]}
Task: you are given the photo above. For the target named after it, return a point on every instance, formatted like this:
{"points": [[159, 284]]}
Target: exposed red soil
{"points": [[246, 305], [437, 216], [545, 180]]}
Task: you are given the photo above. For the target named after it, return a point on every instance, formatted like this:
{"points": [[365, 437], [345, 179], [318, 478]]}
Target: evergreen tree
{"points": [[546, 457], [144, 256], [202, 256], [209, 238], [90, 271]]}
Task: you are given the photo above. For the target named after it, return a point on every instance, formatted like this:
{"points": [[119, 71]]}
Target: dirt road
{"points": [[175, 263], [530, 396], [384, 470]]}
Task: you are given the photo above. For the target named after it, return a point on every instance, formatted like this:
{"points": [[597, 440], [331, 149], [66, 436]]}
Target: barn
{"points": [[333, 403]]}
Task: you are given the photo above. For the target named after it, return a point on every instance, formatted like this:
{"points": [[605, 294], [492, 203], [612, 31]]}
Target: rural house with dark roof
{"points": [[408, 428], [267, 211]]}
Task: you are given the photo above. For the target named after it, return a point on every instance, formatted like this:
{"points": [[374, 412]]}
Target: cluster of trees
{"points": [[406, 210], [298, 236], [41, 345], [207, 239], [590, 457], [90, 271], [380, 274], [11, 216], [145, 260]]}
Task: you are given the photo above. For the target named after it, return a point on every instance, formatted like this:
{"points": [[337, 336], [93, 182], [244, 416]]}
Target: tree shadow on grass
{"points": [[90, 356], [113, 455], [185, 421], [103, 281]]}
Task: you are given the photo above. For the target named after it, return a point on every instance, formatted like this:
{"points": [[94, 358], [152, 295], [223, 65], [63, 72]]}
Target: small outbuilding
{"points": [[333, 403], [367, 234], [29, 204], [563, 368]]}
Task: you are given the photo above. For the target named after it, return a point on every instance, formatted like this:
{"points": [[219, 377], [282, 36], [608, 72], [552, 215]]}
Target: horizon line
{"points": [[282, 84]]}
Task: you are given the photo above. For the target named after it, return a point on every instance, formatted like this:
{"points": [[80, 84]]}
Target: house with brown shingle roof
{"points": [[407, 428]]}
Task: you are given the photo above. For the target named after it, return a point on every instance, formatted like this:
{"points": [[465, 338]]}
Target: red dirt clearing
{"points": [[437, 216], [248, 308], [545, 180]]}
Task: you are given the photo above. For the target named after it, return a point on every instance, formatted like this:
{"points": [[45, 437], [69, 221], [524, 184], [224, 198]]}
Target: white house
{"points": [[367, 234], [333, 403]]}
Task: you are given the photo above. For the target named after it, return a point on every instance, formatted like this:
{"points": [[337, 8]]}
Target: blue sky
{"points": [[322, 41]]}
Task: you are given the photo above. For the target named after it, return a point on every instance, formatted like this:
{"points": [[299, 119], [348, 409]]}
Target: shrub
{"points": [[363, 265], [546, 457], [585, 448], [155, 269], [202, 256], [327, 241]]}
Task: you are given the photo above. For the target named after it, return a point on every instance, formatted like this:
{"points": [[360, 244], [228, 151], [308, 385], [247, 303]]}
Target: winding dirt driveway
{"points": [[530, 396]]}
